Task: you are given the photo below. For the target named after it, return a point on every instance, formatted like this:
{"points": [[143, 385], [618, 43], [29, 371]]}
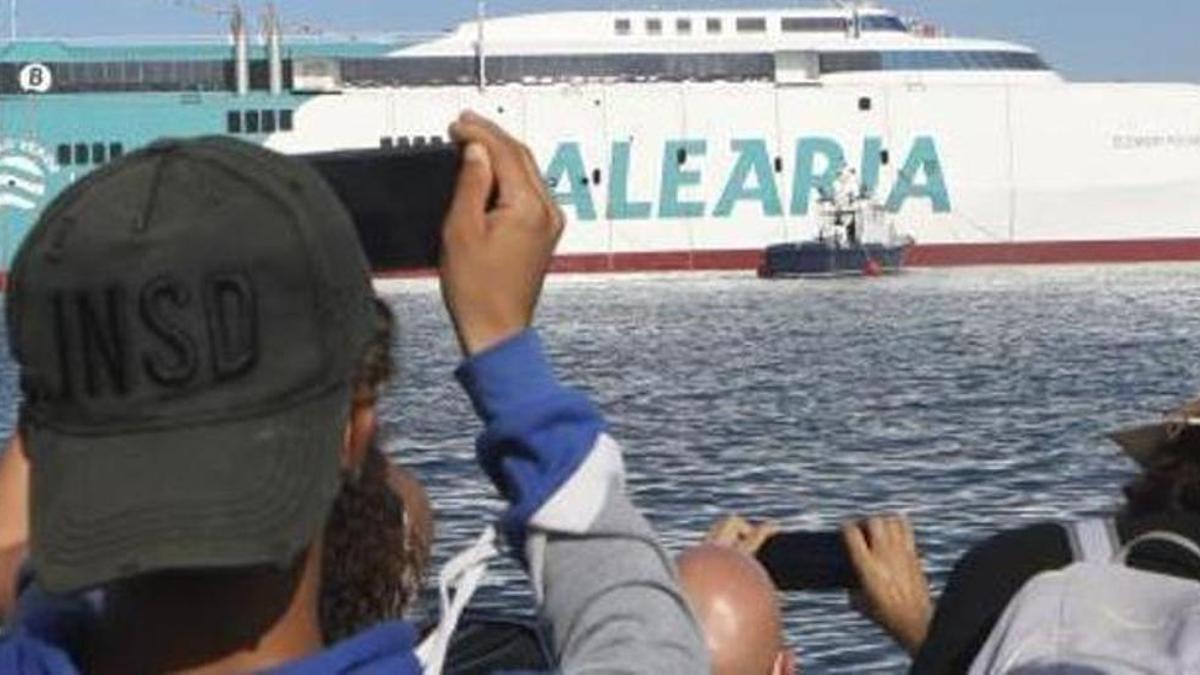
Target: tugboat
{"points": [[855, 238]]}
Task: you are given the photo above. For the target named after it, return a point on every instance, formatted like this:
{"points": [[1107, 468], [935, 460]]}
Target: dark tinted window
{"points": [[751, 25], [386, 142], [115, 150], [268, 121], [713, 25], [623, 26], [683, 26], [882, 23], [285, 120], [251, 122], [64, 154], [99, 153], [233, 122], [654, 26], [813, 25], [81, 154], [841, 62]]}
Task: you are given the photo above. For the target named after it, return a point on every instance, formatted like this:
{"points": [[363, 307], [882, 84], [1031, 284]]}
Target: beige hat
{"points": [[1178, 430]]}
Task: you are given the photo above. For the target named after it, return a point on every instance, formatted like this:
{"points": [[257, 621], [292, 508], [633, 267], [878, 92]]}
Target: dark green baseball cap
{"points": [[187, 321]]}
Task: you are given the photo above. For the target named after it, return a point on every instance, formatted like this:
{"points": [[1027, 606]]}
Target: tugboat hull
{"points": [[819, 259]]}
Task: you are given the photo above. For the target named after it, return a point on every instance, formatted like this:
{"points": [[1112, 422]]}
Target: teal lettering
{"points": [[807, 179], [619, 206], [872, 160], [567, 178], [753, 160], [674, 178], [922, 160]]}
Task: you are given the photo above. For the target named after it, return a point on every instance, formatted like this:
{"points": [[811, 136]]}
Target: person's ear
{"points": [[359, 434], [785, 663]]}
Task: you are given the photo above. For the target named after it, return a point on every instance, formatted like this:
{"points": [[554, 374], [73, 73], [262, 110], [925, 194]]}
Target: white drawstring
{"points": [[463, 573]]}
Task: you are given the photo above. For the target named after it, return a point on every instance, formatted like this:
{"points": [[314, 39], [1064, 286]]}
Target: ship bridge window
{"points": [[881, 23], [751, 25], [99, 153], [64, 154], [654, 26], [268, 121], [824, 24], [82, 154], [116, 150], [252, 122], [623, 26], [713, 26], [286, 121], [683, 26], [233, 122]]}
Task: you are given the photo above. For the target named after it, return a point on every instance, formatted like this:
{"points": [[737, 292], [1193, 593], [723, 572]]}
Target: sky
{"points": [[1085, 39]]}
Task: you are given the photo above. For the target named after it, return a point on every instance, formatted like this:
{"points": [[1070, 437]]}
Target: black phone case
{"points": [[398, 199]]}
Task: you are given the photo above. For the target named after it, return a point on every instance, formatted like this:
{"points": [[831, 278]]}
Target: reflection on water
{"points": [[971, 399]]}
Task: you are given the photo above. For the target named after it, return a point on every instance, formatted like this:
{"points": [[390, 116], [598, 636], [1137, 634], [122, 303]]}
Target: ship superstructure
{"points": [[673, 139]]}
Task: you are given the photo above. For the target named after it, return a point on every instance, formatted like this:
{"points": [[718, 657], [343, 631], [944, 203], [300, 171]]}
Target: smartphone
{"points": [[809, 561], [398, 198]]}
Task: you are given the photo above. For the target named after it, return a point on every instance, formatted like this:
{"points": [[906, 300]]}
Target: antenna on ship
{"points": [[12, 20], [480, 47]]}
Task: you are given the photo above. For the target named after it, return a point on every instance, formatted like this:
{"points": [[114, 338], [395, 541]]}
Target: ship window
{"points": [[864, 104], [285, 120], [99, 153], [792, 24], [64, 154], [418, 141], [713, 26], [881, 23], [115, 150], [252, 121], [82, 154], [751, 25], [838, 62], [654, 26], [437, 141], [268, 121], [683, 26], [623, 26], [233, 122], [404, 142], [884, 157], [386, 142]]}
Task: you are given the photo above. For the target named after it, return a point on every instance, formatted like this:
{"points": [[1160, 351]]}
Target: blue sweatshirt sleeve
{"points": [[537, 434]]}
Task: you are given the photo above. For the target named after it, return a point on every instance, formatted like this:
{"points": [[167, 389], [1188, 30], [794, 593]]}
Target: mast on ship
{"points": [[12, 20], [241, 51], [274, 50], [480, 47]]}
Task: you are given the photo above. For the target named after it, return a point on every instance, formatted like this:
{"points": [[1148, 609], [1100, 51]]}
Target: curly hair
{"points": [[371, 567]]}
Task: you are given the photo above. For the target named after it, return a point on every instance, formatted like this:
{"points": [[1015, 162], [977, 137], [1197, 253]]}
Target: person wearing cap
{"points": [[188, 322], [1165, 496]]}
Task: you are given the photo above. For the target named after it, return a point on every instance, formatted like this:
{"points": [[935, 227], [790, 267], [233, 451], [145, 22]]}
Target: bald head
{"points": [[735, 602]]}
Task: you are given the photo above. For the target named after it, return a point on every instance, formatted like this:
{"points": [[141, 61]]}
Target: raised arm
{"points": [[14, 522], [605, 585]]}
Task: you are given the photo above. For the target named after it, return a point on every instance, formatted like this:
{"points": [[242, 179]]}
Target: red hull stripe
{"points": [[932, 255]]}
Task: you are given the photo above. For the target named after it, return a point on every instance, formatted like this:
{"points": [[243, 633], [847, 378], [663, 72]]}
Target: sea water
{"points": [[971, 399]]}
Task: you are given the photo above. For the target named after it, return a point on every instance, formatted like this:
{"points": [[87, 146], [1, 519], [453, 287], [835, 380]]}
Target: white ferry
{"points": [[673, 139]]}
